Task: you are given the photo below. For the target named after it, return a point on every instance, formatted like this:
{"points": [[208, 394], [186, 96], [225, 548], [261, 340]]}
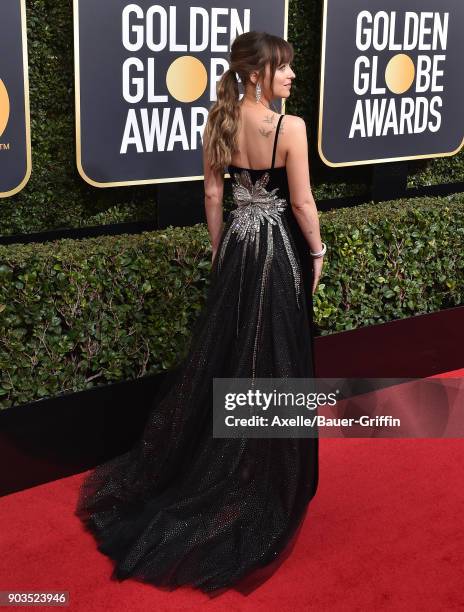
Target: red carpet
{"points": [[384, 532]]}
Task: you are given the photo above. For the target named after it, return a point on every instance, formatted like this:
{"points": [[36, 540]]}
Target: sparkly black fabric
{"points": [[182, 507]]}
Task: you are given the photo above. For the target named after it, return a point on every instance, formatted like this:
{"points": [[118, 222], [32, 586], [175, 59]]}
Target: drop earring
{"points": [[258, 92]]}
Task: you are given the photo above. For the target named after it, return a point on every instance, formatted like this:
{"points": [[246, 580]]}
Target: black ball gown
{"points": [[182, 507]]}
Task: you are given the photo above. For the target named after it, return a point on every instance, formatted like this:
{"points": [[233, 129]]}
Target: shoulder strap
{"points": [[275, 140]]}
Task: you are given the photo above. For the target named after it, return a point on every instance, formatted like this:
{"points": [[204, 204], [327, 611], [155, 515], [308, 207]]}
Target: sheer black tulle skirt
{"points": [[182, 507]]}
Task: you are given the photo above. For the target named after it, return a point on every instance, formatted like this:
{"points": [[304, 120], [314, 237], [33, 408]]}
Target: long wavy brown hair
{"points": [[250, 52]]}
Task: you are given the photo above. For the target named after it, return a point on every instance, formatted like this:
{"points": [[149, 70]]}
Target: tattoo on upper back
{"points": [[270, 120]]}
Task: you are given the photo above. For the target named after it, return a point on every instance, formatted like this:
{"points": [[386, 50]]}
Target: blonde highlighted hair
{"points": [[250, 52]]}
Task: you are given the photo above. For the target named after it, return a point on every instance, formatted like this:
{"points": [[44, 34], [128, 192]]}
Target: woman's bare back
{"points": [[256, 134]]}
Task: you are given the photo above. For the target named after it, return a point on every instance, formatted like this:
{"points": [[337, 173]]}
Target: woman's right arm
{"points": [[214, 192], [301, 197]]}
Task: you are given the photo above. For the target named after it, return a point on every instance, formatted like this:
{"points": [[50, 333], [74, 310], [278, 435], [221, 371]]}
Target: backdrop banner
{"points": [[391, 81], [146, 75], [15, 141]]}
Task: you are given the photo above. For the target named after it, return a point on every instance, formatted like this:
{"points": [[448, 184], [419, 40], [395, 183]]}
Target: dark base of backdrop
{"points": [[54, 438]]}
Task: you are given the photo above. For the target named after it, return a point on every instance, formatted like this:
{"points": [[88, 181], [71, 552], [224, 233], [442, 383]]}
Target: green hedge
{"points": [[79, 313], [57, 197], [391, 260]]}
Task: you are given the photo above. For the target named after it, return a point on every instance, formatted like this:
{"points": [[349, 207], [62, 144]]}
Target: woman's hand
{"points": [[318, 262], [213, 251]]}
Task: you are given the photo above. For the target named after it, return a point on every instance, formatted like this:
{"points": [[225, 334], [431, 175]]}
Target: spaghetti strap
{"points": [[275, 141]]}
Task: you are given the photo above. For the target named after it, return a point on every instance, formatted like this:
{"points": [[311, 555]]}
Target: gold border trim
{"points": [[27, 117], [321, 113], [77, 103]]}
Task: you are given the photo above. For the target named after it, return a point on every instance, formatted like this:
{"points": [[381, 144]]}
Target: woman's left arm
{"points": [[214, 192]]}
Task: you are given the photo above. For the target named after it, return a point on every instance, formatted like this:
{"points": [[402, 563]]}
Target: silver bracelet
{"points": [[321, 253]]}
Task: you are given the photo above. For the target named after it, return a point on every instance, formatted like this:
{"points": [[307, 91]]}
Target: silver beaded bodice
{"points": [[257, 208], [254, 206]]}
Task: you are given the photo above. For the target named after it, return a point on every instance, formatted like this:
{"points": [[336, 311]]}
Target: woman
{"points": [[183, 507]]}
